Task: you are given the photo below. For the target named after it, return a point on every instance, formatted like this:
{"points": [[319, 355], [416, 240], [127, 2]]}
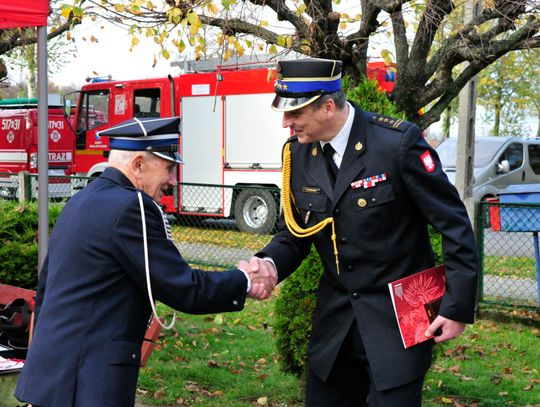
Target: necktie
{"points": [[328, 152]]}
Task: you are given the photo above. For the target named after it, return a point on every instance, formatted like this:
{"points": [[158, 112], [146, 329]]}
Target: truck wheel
{"points": [[255, 211]]}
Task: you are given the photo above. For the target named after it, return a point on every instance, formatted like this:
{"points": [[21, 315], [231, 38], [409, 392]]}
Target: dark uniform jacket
{"points": [[382, 235], [92, 305]]}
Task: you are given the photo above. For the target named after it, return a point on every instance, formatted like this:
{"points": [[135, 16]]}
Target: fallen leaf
{"points": [[454, 369], [218, 319], [529, 387], [160, 394]]}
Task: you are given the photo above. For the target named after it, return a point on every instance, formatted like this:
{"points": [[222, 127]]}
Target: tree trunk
{"points": [[538, 127], [446, 123], [497, 124]]}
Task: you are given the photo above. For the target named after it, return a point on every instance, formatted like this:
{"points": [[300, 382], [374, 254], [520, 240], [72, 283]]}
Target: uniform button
{"points": [[337, 212], [355, 295], [133, 356], [350, 268], [310, 205], [373, 199], [235, 303], [344, 240], [361, 202]]}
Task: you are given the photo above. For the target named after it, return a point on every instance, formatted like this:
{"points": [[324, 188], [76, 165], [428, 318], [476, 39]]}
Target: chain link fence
{"points": [[509, 253], [216, 226], [213, 226]]}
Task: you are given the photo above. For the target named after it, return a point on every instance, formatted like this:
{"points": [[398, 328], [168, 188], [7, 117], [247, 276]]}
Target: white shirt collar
{"points": [[339, 143]]}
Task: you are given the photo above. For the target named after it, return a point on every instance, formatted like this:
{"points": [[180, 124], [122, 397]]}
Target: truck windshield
{"points": [[484, 151]]}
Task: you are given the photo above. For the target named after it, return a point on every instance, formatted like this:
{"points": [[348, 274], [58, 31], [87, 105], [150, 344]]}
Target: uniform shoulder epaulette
{"points": [[389, 122], [292, 139]]}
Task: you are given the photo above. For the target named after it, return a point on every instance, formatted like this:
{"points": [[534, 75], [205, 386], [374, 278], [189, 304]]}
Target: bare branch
{"points": [[284, 13], [400, 39]]}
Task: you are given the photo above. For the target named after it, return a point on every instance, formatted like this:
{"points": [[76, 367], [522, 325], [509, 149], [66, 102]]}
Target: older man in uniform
{"points": [[93, 306], [363, 188]]}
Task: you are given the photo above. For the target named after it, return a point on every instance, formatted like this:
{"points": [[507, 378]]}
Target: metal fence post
{"points": [[24, 186], [480, 223]]}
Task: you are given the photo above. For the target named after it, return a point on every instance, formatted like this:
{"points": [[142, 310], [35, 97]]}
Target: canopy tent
{"points": [[33, 13], [18, 13]]}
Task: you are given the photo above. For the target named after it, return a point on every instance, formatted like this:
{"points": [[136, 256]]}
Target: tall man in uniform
{"points": [[363, 188], [93, 306]]}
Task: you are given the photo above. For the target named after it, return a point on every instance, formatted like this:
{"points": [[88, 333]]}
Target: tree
{"points": [[14, 39], [532, 85], [427, 75], [504, 93]]}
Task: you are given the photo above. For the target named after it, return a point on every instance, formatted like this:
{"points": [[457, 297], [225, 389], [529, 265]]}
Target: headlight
{"points": [[33, 161]]}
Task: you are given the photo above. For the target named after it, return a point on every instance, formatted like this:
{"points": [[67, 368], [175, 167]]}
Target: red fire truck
{"points": [[19, 142], [230, 140]]}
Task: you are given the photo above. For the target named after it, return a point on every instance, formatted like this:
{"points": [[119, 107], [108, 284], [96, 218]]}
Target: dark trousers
{"points": [[349, 383]]}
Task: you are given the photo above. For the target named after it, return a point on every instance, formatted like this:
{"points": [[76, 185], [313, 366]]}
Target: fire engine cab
{"points": [[230, 138], [19, 142]]}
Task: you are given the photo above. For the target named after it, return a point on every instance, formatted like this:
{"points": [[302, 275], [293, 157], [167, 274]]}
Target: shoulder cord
{"points": [[290, 221], [147, 268]]}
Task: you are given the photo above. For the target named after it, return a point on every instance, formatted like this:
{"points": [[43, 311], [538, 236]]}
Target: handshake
{"points": [[263, 276]]}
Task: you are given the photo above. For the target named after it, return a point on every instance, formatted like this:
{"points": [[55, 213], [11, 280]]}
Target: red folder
{"points": [[416, 301]]}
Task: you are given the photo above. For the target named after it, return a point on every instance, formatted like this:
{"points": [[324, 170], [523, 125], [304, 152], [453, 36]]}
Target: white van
{"points": [[498, 163]]}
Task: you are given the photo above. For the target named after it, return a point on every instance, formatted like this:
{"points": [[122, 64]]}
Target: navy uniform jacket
{"points": [[382, 236], [92, 306]]}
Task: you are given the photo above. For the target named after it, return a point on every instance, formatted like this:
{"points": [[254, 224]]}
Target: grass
{"points": [[230, 360], [510, 266], [219, 360], [219, 236]]}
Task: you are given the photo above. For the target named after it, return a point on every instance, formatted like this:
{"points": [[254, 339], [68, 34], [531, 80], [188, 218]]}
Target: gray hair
{"points": [[122, 157], [338, 97]]}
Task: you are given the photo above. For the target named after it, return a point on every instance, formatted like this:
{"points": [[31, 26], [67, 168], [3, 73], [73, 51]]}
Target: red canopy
{"points": [[20, 13]]}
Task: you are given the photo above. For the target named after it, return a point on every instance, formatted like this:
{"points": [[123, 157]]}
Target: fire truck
{"points": [[230, 139], [19, 143]]}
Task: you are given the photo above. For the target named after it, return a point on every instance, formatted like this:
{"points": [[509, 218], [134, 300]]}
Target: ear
{"points": [[136, 163], [329, 107]]}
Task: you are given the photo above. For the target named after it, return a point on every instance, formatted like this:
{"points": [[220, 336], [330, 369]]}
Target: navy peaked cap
{"points": [[302, 81], [157, 135]]}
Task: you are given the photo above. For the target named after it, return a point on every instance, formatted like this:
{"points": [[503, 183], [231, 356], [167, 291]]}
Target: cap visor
{"points": [[283, 104], [169, 156]]}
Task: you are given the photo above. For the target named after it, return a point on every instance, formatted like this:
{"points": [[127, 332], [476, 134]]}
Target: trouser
{"points": [[349, 383]]}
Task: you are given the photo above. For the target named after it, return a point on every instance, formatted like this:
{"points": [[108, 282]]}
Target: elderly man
{"points": [[94, 297], [363, 188]]}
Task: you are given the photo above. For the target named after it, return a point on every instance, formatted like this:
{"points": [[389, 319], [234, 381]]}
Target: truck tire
{"points": [[255, 211]]}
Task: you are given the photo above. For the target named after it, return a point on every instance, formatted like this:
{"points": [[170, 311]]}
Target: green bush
{"points": [[296, 303], [294, 309], [18, 242]]}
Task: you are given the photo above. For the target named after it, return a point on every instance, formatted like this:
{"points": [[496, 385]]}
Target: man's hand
{"points": [[263, 277], [449, 329]]}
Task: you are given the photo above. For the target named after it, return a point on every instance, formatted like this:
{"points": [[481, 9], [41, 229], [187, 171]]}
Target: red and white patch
{"points": [[428, 162]]}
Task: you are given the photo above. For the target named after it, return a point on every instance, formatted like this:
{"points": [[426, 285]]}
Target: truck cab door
{"points": [[93, 116]]}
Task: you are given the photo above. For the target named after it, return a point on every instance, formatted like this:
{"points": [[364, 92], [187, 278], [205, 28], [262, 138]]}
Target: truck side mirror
{"points": [[503, 167], [67, 108]]}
